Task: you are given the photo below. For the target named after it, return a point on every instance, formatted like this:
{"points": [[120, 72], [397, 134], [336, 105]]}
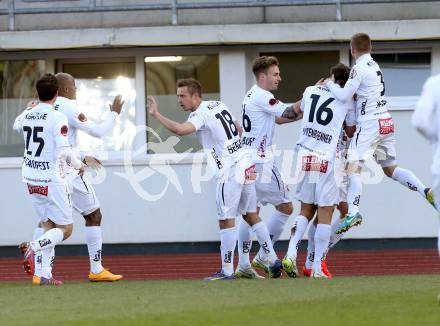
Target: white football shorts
{"points": [[374, 138], [84, 199], [51, 202], [270, 187]]}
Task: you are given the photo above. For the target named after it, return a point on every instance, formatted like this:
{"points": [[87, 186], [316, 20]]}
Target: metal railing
{"points": [[174, 6]]}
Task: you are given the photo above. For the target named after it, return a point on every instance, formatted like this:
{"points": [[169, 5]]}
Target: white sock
{"points": [[228, 239], [38, 232], [244, 244], [265, 242], [299, 228], [310, 246], [335, 238], [275, 226], [354, 193], [322, 238], [47, 260], [408, 179], [94, 246], [48, 240]]}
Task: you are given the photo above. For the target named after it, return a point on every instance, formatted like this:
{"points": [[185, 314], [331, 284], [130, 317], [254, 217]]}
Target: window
{"points": [[302, 69], [17, 80], [404, 73], [97, 84], [161, 76]]}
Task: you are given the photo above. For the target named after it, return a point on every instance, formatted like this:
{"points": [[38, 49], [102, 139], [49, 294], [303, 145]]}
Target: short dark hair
{"points": [[341, 73], [192, 84], [47, 87], [361, 42], [262, 64]]}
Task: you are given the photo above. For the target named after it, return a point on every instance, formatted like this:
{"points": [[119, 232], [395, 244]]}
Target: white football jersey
{"points": [[260, 108], [322, 122], [78, 120], [367, 82], [217, 133], [45, 136]]}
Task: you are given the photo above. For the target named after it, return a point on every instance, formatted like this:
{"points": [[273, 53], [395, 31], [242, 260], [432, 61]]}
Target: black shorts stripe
{"points": [[357, 136], [84, 183], [276, 178], [223, 193]]}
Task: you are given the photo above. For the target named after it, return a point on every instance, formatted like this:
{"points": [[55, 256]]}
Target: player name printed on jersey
{"points": [[259, 111], [321, 127], [45, 133], [218, 134]]}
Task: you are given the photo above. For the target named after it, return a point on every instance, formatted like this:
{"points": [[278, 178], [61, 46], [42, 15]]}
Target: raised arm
{"points": [[346, 93], [180, 129]]}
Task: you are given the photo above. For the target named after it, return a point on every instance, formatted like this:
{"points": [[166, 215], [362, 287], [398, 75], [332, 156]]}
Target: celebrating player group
{"points": [[344, 120]]}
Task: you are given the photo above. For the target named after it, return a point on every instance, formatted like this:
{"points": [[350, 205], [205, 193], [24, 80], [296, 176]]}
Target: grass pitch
{"points": [[390, 300]]}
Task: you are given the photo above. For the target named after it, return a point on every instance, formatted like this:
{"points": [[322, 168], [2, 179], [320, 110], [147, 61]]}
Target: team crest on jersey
{"points": [[82, 117], [273, 101], [353, 73], [64, 130]]}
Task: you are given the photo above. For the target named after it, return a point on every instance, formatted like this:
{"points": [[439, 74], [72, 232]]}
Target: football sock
{"points": [[47, 260], [408, 179], [94, 246], [298, 230], [322, 238], [354, 193], [244, 243], [275, 226], [38, 232], [310, 246], [48, 240], [228, 239], [265, 242]]}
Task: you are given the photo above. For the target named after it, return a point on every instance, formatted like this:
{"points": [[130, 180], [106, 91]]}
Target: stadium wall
{"points": [[186, 211]]}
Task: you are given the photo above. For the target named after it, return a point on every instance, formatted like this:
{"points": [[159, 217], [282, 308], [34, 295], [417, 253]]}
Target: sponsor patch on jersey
{"points": [[64, 130], [82, 117], [273, 101], [38, 190], [250, 175], [386, 126], [314, 163]]}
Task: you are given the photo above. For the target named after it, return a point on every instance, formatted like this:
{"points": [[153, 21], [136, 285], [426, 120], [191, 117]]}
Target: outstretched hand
{"points": [[92, 162], [117, 105], [152, 106]]}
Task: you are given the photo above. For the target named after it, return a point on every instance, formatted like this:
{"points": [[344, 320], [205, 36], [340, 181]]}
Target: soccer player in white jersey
{"points": [[46, 155], [323, 117], [83, 194], [375, 129], [261, 111], [218, 132], [426, 120]]}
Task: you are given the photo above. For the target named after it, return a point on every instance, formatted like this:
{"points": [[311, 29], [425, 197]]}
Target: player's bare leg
{"points": [[94, 245]]}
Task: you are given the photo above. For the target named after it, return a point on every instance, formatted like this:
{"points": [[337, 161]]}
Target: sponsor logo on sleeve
{"points": [[82, 117], [64, 130], [273, 101]]}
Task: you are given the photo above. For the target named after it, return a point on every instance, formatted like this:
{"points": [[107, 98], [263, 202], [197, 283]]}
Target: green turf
{"points": [[391, 300]]}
